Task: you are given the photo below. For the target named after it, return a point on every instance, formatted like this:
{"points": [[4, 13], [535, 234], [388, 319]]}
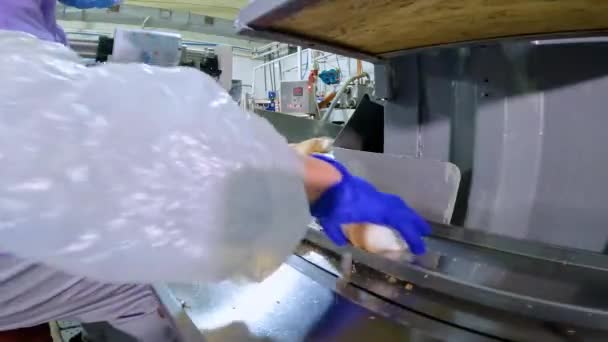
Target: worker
{"points": [[33, 293]]}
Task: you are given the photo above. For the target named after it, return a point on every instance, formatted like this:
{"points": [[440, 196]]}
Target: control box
{"points": [[297, 97]]}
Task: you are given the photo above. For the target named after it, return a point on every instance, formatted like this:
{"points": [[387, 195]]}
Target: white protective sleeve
{"points": [[138, 173]]}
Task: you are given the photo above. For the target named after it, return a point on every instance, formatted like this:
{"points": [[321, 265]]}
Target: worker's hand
{"points": [[354, 200]]}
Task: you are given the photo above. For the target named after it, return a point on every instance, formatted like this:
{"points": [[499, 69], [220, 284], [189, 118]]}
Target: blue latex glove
{"points": [[354, 200], [84, 4]]}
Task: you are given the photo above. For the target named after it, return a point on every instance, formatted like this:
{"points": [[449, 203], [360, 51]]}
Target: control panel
{"points": [[297, 97]]}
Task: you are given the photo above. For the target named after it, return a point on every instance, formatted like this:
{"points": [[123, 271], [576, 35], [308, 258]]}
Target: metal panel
{"points": [[539, 167], [440, 73], [525, 285], [447, 115], [429, 186], [572, 190], [296, 97], [365, 129], [401, 129], [508, 140], [383, 77], [296, 129], [524, 123]]}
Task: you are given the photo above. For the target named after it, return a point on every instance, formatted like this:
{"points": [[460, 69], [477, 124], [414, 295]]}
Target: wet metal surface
{"points": [[527, 286], [291, 306], [457, 291]]}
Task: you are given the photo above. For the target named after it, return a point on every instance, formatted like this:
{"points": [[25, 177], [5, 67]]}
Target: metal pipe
{"points": [[276, 60], [272, 79], [263, 55], [339, 94], [270, 47], [253, 83], [299, 63], [265, 47], [325, 56], [143, 24], [265, 81], [348, 65], [263, 65]]}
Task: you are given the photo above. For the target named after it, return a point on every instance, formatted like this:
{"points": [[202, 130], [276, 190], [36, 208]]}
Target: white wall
{"points": [[242, 69]]}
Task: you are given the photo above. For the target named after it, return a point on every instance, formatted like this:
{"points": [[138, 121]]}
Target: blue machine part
{"points": [[84, 4], [331, 76], [272, 106]]}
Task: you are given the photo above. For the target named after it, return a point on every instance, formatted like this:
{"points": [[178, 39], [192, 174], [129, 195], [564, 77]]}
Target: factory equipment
{"points": [[105, 47], [348, 97], [298, 97], [272, 106], [210, 65], [157, 48], [331, 76], [215, 62], [236, 91], [150, 47], [517, 103]]}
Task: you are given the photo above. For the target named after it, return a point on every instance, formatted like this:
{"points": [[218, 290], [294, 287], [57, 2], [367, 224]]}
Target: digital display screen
{"points": [[298, 91]]}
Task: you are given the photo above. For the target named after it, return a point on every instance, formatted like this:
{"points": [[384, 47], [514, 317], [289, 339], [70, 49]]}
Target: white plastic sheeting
{"points": [[139, 173]]}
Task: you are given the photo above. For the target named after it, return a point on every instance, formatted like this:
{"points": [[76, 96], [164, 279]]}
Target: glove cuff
{"points": [[341, 168], [324, 205]]}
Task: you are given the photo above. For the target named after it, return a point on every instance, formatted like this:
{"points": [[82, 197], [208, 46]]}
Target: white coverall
{"points": [[131, 174], [127, 174], [33, 294]]}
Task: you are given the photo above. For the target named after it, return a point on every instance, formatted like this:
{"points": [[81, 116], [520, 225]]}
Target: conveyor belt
{"points": [[459, 291], [302, 302], [500, 292]]}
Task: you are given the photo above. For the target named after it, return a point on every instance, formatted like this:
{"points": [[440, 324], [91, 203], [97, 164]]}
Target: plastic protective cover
{"points": [[139, 173]]}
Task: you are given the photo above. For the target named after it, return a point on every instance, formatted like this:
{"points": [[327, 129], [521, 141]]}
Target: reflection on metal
{"points": [[532, 286], [428, 186], [297, 129], [457, 292], [85, 48], [173, 306], [522, 127], [412, 297], [541, 251], [301, 302]]}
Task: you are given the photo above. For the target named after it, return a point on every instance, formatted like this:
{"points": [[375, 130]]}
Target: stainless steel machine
{"points": [[513, 94]]}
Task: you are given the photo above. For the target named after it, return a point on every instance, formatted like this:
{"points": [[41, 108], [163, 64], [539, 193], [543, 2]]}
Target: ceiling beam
{"points": [[225, 9], [155, 18]]}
